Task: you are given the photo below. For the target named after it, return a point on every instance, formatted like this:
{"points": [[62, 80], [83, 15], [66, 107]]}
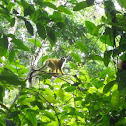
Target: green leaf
{"points": [[90, 2], [39, 2], [95, 57], [123, 39], [121, 80], [45, 4], [36, 42], [61, 25], [106, 40], [51, 36], [50, 115], [107, 57], [73, 65], [2, 93], [115, 100], [31, 116], [82, 47], [8, 77], [57, 17], [65, 10], [97, 83], [19, 44], [28, 8], [109, 86], [76, 57], [92, 29], [61, 94], [3, 45], [41, 30], [70, 89], [29, 27], [11, 55], [12, 22], [80, 5], [122, 3]]}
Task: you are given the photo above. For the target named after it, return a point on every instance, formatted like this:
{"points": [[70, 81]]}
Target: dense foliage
{"points": [[92, 90]]}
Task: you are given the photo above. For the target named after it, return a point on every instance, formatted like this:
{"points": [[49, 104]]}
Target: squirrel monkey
{"points": [[54, 64]]}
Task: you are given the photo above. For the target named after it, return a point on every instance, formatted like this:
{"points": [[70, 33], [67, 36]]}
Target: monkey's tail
{"points": [[35, 70]]}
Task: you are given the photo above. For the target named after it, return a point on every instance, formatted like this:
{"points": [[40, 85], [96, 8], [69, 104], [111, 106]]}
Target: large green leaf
{"points": [[92, 29], [80, 5], [95, 57], [76, 57], [27, 24], [82, 47], [122, 3], [50, 115], [28, 8], [29, 27], [109, 86], [107, 57], [31, 116], [41, 30], [8, 77], [19, 44], [106, 40]]}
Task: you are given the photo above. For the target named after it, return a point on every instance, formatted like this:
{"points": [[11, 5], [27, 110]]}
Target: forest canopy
{"points": [[89, 88]]}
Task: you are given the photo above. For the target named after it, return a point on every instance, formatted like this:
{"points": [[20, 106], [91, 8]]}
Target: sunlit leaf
{"points": [[61, 94], [115, 99], [92, 29], [73, 65], [31, 116], [50, 115], [36, 42], [76, 57], [70, 89], [106, 40], [82, 47]]}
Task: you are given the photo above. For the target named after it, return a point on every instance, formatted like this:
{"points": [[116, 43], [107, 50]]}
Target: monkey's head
{"points": [[62, 59]]}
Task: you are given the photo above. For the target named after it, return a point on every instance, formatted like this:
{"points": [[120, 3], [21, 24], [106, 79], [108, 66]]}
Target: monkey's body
{"points": [[55, 64]]}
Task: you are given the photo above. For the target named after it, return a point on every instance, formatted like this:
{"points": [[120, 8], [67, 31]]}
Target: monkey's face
{"points": [[62, 59]]}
